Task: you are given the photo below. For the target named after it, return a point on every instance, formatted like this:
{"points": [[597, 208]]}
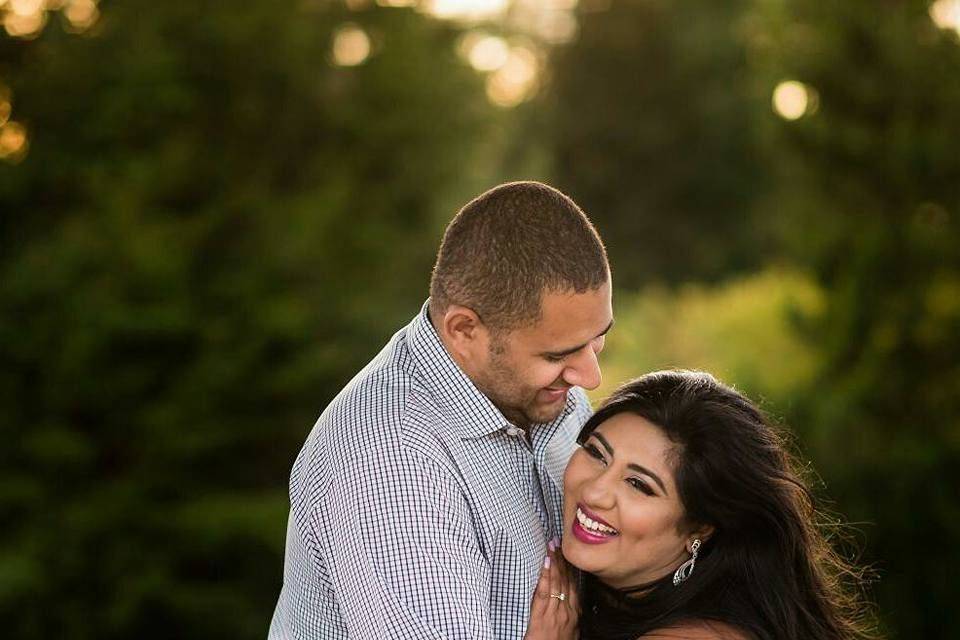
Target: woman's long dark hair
{"points": [[768, 568]]}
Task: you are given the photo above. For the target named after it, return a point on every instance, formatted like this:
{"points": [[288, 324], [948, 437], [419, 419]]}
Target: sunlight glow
{"points": [[397, 3], [351, 46], [946, 14], [13, 141], [791, 99]]}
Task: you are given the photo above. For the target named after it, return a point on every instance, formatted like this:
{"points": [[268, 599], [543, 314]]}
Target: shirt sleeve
{"points": [[404, 557]]}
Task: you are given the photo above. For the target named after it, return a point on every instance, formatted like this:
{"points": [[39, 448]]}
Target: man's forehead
{"points": [[568, 319]]}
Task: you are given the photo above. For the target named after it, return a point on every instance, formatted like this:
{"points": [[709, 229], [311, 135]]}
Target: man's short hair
{"points": [[509, 246]]}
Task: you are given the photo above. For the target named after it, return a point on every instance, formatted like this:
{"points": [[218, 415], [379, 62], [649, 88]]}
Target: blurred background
{"points": [[213, 213]]}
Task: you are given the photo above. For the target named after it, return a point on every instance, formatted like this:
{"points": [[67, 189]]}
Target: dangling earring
{"points": [[686, 569]]}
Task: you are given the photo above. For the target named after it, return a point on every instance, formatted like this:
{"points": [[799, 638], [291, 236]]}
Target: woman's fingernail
{"points": [[550, 545], [556, 542], [546, 562]]}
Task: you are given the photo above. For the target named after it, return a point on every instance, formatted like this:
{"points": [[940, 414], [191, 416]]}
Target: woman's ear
{"points": [[701, 533]]}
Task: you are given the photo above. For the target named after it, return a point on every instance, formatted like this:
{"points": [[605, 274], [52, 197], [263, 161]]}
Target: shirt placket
{"points": [[529, 477], [553, 500]]}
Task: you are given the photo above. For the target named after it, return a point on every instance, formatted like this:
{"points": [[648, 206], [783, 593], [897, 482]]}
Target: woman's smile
{"points": [[591, 530]]}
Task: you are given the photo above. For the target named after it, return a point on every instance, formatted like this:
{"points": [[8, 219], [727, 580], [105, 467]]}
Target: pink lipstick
{"points": [[590, 528]]}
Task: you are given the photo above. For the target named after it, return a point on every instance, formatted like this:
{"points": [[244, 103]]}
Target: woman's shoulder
{"points": [[697, 630]]}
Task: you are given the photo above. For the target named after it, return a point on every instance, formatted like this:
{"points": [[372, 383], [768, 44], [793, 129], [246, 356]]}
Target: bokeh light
{"points": [[13, 141], [484, 52], [946, 14], [466, 9], [793, 100], [552, 21], [24, 25], [26, 18], [396, 3], [516, 80], [6, 107], [351, 46], [81, 14], [26, 7]]}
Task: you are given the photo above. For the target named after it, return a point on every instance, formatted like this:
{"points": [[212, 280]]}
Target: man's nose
{"points": [[584, 369]]}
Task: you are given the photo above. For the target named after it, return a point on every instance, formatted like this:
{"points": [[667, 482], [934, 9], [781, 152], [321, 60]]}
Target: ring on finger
{"points": [[559, 596]]}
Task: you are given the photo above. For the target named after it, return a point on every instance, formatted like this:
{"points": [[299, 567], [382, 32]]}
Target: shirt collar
{"points": [[473, 413]]}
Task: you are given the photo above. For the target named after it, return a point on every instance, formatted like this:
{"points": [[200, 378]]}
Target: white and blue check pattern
{"points": [[417, 510]]}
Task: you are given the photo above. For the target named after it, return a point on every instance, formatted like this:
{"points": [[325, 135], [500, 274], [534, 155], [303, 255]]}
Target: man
{"points": [[424, 497]]}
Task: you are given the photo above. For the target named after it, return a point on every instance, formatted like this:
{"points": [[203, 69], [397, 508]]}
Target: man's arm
{"points": [[404, 557]]}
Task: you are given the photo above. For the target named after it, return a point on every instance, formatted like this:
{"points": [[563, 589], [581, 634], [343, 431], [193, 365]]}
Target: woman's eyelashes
{"points": [[594, 452], [640, 485]]}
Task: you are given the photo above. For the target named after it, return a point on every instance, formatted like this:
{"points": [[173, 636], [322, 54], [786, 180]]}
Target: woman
{"points": [[687, 519]]}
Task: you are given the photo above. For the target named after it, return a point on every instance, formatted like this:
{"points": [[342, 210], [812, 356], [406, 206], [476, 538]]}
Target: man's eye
{"points": [[640, 485], [552, 358]]}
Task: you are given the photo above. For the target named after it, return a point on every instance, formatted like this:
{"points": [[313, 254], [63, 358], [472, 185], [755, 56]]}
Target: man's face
{"points": [[529, 370]]}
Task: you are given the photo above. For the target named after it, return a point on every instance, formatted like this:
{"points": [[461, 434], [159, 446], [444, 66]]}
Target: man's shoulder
{"points": [[385, 400]]}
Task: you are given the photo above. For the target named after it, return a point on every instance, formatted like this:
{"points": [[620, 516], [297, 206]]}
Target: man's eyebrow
{"points": [[635, 467], [566, 352]]}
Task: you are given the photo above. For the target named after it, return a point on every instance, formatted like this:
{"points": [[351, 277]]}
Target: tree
{"points": [[873, 181], [214, 228], [653, 134]]}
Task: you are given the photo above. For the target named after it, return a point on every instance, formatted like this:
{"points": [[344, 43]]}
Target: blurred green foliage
{"points": [[655, 133], [863, 193], [215, 227], [743, 330]]}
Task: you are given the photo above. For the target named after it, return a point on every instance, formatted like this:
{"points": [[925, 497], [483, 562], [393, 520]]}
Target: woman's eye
{"points": [[593, 452], [640, 485]]}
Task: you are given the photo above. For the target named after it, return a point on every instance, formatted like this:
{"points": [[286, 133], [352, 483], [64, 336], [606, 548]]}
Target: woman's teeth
{"points": [[593, 526]]}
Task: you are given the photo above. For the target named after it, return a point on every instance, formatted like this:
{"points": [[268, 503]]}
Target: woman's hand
{"points": [[555, 609]]}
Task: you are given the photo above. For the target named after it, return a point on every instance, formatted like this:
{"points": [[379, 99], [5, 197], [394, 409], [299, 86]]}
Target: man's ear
{"points": [[464, 333]]}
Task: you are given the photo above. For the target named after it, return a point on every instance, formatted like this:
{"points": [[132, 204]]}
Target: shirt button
{"points": [[514, 431]]}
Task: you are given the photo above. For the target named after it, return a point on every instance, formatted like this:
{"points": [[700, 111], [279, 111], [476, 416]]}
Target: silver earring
{"points": [[686, 569]]}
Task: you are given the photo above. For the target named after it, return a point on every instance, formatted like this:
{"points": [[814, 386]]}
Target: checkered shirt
{"points": [[417, 509]]}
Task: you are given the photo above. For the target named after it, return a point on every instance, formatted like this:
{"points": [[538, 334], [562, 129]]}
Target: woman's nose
{"points": [[598, 492]]}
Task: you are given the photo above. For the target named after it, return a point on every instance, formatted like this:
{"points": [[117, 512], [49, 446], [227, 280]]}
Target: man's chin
{"points": [[544, 414]]}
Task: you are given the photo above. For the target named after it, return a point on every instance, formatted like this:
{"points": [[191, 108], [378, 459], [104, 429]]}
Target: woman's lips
{"points": [[589, 530], [591, 515]]}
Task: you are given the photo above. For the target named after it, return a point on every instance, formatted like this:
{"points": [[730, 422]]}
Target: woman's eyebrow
{"points": [[635, 467]]}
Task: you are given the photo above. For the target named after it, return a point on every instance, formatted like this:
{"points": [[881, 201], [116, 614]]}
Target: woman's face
{"points": [[621, 509]]}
